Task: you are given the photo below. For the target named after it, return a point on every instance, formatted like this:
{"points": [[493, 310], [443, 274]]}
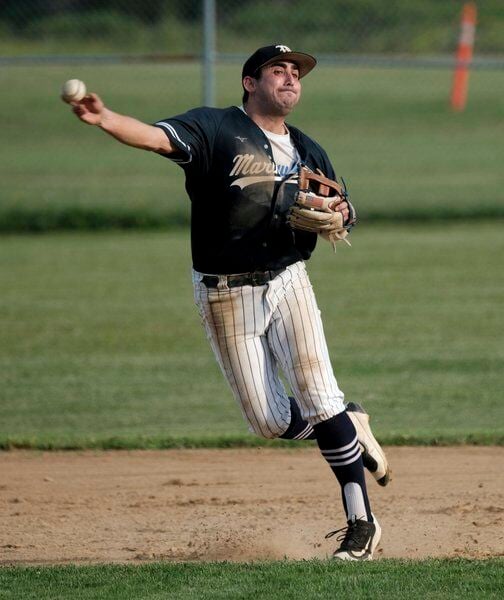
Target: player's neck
{"points": [[272, 123]]}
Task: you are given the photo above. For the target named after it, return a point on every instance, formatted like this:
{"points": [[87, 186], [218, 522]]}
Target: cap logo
{"points": [[284, 48]]}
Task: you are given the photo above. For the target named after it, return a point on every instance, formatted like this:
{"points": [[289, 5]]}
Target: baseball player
{"points": [[249, 238]]}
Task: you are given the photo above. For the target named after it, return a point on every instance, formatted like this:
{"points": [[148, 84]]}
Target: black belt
{"points": [[255, 278]]}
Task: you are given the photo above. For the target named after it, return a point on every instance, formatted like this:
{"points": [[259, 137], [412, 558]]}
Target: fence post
{"points": [[209, 26]]}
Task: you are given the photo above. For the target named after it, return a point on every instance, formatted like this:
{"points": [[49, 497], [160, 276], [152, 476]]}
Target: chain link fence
{"points": [[171, 29]]}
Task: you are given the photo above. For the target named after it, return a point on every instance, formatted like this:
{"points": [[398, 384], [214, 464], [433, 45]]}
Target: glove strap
{"points": [[325, 185]]}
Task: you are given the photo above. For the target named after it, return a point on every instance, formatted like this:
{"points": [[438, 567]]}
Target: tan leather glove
{"points": [[316, 207]]}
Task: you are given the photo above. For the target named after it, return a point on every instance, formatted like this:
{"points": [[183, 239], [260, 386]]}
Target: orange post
{"points": [[464, 57]]}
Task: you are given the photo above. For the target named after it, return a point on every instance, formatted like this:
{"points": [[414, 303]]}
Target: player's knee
{"points": [[318, 412], [265, 429], [266, 417]]}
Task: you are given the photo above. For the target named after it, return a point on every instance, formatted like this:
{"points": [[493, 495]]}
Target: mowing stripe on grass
{"points": [[391, 579]]}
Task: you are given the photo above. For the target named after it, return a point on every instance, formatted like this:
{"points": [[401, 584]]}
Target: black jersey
{"points": [[239, 198]]}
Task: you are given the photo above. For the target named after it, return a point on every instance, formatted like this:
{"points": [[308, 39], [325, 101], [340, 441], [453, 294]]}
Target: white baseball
{"points": [[73, 90]]}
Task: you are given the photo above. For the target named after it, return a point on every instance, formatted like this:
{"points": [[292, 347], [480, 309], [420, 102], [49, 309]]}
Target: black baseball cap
{"points": [[270, 54]]}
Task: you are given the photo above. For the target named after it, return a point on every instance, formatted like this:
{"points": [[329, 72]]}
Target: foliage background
{"points": [[416, 27]]}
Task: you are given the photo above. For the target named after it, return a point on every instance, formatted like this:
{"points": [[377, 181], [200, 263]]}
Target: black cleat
{"points": [[358, 540]]}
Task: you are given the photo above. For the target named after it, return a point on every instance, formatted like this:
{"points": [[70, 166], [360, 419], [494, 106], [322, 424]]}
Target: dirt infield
{"points": [[239, 505]]}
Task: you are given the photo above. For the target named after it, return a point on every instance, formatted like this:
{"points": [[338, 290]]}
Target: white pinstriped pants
{"points": [[255, 330]]}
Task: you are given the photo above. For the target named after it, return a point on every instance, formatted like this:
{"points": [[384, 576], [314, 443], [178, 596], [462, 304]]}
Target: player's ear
{"points": [[249, 83]]}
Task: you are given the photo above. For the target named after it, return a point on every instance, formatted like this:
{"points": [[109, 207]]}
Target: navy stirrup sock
{"points": [[337, 440]]}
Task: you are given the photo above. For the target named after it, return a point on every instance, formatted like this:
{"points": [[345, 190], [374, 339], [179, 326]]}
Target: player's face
{"points": [[278, 89]]}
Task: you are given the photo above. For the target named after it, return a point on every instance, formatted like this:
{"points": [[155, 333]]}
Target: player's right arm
{"points": [[127, 130]]}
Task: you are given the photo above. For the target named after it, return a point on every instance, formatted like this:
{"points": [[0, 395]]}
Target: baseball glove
{"points": [[315, 207]]}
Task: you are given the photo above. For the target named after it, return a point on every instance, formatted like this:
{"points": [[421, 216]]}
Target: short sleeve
{"points": [[192, 133]]}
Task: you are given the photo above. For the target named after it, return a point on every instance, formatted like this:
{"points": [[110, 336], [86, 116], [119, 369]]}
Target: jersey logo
{"points": [[284, 48], [244, 182], [248, 171], [237, 137], [246, 164]]}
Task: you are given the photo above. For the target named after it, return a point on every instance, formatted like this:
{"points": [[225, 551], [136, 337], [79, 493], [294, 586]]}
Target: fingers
{"points": [[343, 208], [86, 115], [91, 101], [89, 109], [79, 108]]}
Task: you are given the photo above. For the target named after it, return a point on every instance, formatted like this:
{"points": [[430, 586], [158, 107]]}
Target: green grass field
{"points": [[433, 579], [388, 131], [102, 344]]}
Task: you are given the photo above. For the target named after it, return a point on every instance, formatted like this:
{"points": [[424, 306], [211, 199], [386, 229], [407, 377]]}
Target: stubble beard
{"points": [[284, 106], [276, 104]]}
